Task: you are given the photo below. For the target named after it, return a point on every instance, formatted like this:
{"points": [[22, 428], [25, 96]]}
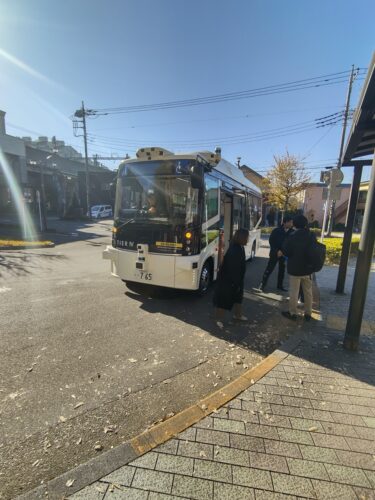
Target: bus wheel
{"points": [[205, 279], [253, 251]]}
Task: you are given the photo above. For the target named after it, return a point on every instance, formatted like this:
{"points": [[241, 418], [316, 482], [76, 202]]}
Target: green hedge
{"points": [[334, 248], [267, 230], [333, 245]]}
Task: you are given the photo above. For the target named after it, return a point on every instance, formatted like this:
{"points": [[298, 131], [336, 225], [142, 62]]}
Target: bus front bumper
{"points": [[166, 270]]}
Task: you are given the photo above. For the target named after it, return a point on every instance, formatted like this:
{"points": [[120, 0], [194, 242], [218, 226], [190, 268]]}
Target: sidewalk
{"points": [[335, 307], [300, 425], [306, 429]]}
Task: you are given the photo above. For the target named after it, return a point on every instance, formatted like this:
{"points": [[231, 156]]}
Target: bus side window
{"points": [[246, 212], [211, 204], [237, 216], [211, 211], [250, 211]]}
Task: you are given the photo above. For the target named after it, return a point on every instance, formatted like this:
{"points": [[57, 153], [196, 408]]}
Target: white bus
{"points": [[175, 215]]}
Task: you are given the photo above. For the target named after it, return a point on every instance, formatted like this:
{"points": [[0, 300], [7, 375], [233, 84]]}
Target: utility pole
{"points": [[86, 161], [332, 206], [81, 113]]}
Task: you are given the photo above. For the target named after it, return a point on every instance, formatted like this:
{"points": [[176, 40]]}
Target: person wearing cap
{"points": [[296, 249], [277, 238]]}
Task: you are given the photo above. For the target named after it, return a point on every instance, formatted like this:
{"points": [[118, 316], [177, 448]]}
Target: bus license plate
{"points": [[143, 275]]}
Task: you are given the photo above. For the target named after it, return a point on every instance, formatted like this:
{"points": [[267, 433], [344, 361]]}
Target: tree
{"points": [[284, 182]]}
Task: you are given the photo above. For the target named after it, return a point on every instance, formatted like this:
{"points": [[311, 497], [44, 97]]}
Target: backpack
{"points": [[316, 255]]}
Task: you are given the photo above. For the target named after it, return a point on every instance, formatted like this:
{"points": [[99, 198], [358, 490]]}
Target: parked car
{"points": [[101, 211]]}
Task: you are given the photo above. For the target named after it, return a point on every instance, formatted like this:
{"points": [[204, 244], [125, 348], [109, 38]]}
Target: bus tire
{"points": [[205, 278], [253, 251]]}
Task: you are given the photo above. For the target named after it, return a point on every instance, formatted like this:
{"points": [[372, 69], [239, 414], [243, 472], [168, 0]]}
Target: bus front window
{"points": [[149, 197]]}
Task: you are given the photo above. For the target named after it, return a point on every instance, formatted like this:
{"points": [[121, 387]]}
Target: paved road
{"points": [[87, 362]]}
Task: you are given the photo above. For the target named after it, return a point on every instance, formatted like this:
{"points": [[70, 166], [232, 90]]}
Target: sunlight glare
{"points": [[23, 212]]}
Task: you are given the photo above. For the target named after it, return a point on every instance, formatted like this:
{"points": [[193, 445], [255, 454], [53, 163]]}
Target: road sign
{"points": [[336, 177], [332, 177], [325, 176], [335, 193]]}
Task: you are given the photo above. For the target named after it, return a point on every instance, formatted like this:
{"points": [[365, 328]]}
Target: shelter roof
{"points": [[361, 139]]}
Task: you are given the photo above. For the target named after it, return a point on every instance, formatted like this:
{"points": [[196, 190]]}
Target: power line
{"points": [[324, 80], [222, 118], [121, 140], [238, 139]]}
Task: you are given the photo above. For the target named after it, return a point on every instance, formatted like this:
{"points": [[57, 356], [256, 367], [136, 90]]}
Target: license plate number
{"points": [[143, 275]]}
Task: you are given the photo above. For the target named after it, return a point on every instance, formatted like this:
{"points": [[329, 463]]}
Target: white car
{"points": [[101, 211]]}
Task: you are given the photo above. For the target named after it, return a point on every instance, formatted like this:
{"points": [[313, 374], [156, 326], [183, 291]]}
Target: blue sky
{"points": [[115, 53]]}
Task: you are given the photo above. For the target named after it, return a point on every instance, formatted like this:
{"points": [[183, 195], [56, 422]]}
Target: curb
{"points": [[93, 470], [26, 247]]}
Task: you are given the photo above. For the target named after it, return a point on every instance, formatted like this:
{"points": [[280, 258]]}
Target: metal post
{"points": [[40, 210], [43, 195], [325, 215], [362, 270], [331, 217], [339, 163], [350, 217], [86, 161], [25, 235]]}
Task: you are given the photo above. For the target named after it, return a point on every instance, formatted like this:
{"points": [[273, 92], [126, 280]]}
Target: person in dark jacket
{"points": [[296, 249], [230, 281], [276, 241]]}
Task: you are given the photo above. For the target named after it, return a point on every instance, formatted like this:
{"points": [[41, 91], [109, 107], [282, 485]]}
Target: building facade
{"points": [[313, 200], [50, 167], [13, 160]]}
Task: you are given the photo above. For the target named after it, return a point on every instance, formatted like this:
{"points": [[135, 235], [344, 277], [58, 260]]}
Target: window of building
{"points": [[362, 197]]}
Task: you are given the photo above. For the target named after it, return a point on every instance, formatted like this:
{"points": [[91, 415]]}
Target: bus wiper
{"points": [[124, 224]]}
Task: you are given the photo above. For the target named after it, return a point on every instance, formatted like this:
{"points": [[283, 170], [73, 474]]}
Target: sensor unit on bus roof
{"points": [[152, 153]]}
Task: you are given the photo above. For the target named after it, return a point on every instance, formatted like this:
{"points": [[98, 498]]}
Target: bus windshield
{"points": [[156, 193]]}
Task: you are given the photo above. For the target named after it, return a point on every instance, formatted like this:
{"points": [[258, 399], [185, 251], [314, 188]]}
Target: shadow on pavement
{"points": [[65, 231], [262, 333], [266, 328], [21, 263]]}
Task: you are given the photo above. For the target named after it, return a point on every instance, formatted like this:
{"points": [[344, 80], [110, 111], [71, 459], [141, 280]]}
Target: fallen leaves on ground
{"points": [[110, 428]]}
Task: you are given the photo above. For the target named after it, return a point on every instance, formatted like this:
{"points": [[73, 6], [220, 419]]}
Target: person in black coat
{"points": [[296, 249], [277, 239], [230, 281]]}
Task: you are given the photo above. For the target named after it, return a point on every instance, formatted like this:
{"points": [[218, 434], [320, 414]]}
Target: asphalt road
{"points": [[86, 362]]}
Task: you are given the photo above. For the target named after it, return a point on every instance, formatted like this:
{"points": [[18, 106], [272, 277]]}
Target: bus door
{"points": [[226, 209], [238, 212]]}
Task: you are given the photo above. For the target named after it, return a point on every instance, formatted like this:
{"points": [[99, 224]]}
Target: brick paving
{"points": [[305, 430]]}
